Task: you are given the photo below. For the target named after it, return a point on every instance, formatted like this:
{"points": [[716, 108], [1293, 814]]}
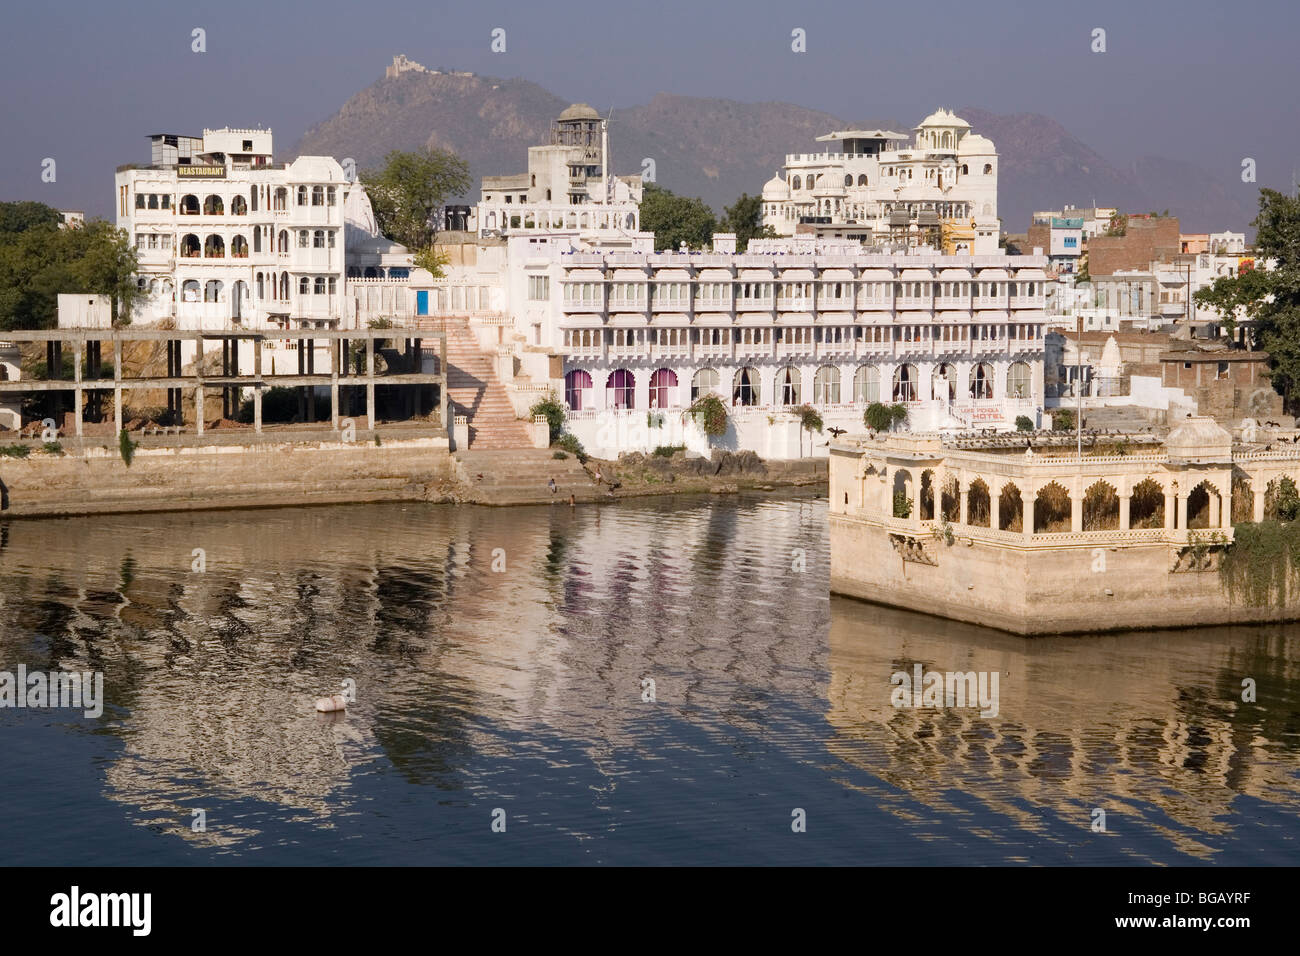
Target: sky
{"points": [[1203, 80]]}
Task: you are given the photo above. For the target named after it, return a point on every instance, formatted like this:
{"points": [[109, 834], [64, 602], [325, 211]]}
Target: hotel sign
{"points": [[201, 172]]}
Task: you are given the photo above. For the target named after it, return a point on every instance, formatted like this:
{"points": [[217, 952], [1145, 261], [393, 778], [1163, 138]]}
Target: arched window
{"points": [[213, 206], [252, 198], [981, 381], [1019, 380], [905, 383], [191, 248], [978, 504], [826, 386], [796, 183], [318, 195], [965, 170], [302, 195], [663, 388], [787, 386], [261, 287], [745, 390], [319, 286], [212, 291], [620, 389], [214, 247], [257, 238], [239, 248], [190, 291], [862, 179], [281, 198], [848, 179], [318, 239], [866, 384], [284, 240], [284, 287], [189, 205], [239, 206], [577, 389], [304, 285], [988, 169], [703, 382], [943, 384]]}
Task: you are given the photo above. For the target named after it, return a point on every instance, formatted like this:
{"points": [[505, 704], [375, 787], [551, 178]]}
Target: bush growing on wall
{"points": [[550, 407], [710, 414]]}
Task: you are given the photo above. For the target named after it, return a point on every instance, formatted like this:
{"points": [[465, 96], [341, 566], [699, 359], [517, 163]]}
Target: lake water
{"points": [[502, 659]]}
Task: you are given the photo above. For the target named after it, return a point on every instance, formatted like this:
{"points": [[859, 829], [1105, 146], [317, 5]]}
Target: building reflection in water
{"points": [[458, 649], [1147, 726]]}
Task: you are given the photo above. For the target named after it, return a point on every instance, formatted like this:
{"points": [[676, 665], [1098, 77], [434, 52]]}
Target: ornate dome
{"points": [[776, 189], [579, 111], [946, 118], [1199, 439], [975, 143]]}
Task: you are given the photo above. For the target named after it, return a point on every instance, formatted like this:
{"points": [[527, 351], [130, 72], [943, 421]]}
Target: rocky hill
{"points": [[716, 148]]}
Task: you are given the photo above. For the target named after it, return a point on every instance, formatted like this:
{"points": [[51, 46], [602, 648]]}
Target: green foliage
{"points": [[1063, 420], [676, 219], [1262, 565], [1270, 298], [1118, 225], [15, 451], [809, 419], [38, 260], [569, 442], [431, 260], [710, 414], [1285, 500], [380, 324], [553, 409], [16, 217], [745, 218], [53, 448], [902, 504], [126, 448], [654, 420], [410, 189], [560, 455], [881, 418], [1024, 423], [667, 451]]}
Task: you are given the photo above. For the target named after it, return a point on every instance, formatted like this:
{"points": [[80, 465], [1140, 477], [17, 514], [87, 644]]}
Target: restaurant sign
{"points": [[201, 172]]}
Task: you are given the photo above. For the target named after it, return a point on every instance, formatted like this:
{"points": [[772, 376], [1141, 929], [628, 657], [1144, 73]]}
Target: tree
{"points": [[745, 219], [554, 412], [410, 189], [676, 219], [16, 217], [1118, 225], [1270, 298], [431, 260], [1024, 423], [882, 418], [809, 421], [42, 260], [710, 414], [1063, 420]]}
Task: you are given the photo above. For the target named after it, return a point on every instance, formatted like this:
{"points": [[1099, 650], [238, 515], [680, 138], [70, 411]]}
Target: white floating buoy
{"points": [[330, 704]]}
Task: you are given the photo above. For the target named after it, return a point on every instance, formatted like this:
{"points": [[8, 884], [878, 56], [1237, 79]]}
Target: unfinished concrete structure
{"points": [[414, 364]]}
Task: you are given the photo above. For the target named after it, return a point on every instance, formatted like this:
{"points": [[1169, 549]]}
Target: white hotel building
{"points": [[228, 239], [879, 188]]}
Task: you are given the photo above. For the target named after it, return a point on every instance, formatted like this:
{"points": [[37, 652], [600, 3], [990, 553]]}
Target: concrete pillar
{"points": [[1027, 513], [370, 382], [1182, 513], [995, 508], [1171, 512], [334, 384], [1076, 510], [1259, 503], [1124, 523], [198, 409], [257, 409], [963, 492], [1216, 512]]}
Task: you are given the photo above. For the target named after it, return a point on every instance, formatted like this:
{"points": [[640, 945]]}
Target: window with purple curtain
{"points": [[663, 388], [620, 389], [577, 389]]}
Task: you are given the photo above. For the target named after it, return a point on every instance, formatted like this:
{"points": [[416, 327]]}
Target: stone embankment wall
{"points": [[267, 474], [1035, 590]]}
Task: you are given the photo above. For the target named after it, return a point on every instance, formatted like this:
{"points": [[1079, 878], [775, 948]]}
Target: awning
{"points": [[674, 320], [627, 320], [796, 318], [581, 320], [754, 319], [712, 321]]}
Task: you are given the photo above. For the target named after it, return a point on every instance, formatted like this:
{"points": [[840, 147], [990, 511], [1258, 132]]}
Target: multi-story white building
{"points": [[941, 190], [227, 238]]}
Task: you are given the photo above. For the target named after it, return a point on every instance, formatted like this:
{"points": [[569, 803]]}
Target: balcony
{"points": [[623, 304], [585, 351], [866, 304], [796, 349], [713, 305], [908, 303], [831, 304], [796, 303], [760, 304], [709, 350], [589, 305], [636, 350], [990, 301]]}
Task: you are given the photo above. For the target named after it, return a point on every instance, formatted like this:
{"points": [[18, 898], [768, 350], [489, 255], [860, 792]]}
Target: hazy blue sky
{"points": [[85, 82]]}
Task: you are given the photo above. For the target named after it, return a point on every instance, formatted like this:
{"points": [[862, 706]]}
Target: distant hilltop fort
{"points": [[402, 65]]}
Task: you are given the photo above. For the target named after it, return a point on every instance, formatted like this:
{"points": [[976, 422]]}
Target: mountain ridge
{"points": [[717, 148]]}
